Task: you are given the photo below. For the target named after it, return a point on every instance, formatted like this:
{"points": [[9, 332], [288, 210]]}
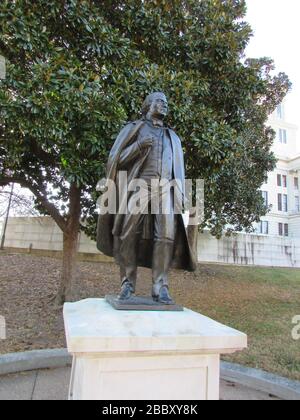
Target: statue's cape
{"points": [[110, 225]]}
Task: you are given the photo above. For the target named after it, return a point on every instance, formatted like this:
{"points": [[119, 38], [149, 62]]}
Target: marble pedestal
{"points": [[124, 355]]}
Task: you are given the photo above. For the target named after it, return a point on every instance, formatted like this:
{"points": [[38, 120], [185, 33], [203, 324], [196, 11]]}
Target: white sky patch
{"points": [[22, 202], [276, 34]]}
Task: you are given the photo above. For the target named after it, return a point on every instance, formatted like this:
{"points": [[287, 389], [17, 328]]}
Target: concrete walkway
{"points": [[53, 385]]}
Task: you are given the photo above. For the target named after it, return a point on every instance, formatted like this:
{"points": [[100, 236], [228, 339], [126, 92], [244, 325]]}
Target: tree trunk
{"points": [[193, 231], [70, 247]]}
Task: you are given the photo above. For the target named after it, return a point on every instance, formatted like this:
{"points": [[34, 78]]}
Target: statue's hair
{"points": [[148, 101]]}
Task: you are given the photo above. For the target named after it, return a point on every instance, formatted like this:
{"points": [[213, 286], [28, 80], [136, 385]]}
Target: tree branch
{"points": [[10, 55], [75, 208], [40, 153]]}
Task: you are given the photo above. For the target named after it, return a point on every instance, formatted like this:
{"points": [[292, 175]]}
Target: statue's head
{"points": [[155, 105]]}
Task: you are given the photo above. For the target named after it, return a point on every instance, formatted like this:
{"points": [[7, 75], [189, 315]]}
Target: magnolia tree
{"points": [[77, 70]]}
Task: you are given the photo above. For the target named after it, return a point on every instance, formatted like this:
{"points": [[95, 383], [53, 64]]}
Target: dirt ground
{"points": [[28, 285], [259, 302]]}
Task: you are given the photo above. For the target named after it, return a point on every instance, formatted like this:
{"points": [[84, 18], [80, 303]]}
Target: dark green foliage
{"points": [[78, 70]]}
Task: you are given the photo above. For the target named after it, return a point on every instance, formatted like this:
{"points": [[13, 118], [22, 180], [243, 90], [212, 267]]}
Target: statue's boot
{"points": [[162, 261], [127, 290], [164, 296], [128, 277]]}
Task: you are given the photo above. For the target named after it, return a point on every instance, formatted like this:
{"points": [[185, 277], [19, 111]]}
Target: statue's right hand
{"points": [[146, 142]]}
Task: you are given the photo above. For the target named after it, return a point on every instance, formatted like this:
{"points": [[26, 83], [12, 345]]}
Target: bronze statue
{"points": [[148, 150]]}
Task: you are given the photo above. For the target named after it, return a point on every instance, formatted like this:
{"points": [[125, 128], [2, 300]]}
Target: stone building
{"points": [[282, 189]]}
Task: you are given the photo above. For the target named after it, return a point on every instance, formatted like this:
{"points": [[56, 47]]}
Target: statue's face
{"points": [[159, 107]]}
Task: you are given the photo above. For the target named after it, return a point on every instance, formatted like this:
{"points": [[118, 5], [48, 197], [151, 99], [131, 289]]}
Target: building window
{"points": [[283, 229], [280, 111], [284, 181], [264, 228], [282, 136], [279, 202], [265, 195], [297, 204], [296, 183], [285, 203], [279, 180]]}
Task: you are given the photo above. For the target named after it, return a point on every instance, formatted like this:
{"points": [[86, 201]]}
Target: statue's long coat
{"points": [[110, 226]]}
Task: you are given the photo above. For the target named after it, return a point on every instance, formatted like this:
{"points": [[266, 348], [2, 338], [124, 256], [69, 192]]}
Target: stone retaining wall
{"points": [[41, 233]]}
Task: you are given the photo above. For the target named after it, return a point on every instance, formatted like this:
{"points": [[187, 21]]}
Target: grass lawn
{"points": [[258, 301], [262, 303]]}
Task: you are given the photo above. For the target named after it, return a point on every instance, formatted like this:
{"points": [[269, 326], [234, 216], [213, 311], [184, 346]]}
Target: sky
{"points": [[276, 28]]}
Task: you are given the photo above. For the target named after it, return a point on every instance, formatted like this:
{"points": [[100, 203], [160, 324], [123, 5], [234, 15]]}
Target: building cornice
{"points": [[287, 216], [292, 163], [281, 123]]}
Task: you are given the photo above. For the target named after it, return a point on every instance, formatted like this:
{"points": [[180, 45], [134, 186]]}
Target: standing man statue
{"points": [[149, 151]]}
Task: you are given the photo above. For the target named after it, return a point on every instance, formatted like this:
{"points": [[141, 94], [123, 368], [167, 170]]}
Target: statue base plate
{"points": [[138, 303]]}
